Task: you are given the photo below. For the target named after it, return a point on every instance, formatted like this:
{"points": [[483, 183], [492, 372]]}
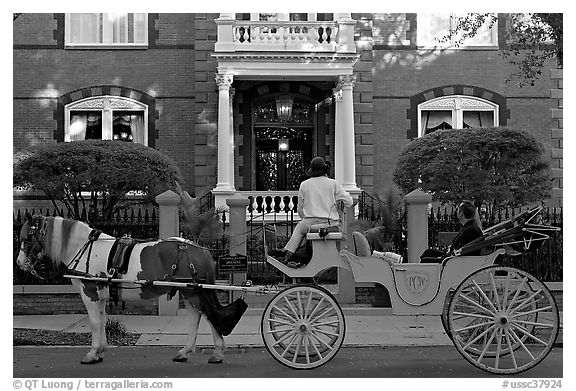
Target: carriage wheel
{"points": [[303, 327], [503, 320]]}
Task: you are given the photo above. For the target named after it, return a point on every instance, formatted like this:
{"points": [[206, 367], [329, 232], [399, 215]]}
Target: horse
{"points": [[86, 252]]}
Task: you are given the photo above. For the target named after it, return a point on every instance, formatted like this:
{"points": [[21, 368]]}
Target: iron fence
{"points": [[544, 262]]}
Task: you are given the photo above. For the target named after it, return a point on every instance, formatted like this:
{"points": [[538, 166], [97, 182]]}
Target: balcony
{"points": [[285, 36]]}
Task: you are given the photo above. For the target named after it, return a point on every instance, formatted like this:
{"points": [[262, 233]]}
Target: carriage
{"points": [[500, 319]]}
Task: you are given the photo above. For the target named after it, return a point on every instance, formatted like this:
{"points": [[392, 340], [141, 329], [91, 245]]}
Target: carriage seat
{"points": [[325, 231], [120, 255]]}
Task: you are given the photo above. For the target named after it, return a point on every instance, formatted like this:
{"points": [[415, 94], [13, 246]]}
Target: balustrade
{"points": [[272, 206]]}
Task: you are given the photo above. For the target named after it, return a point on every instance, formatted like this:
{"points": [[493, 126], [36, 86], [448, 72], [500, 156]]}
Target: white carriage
{"points": [[500, 319]]}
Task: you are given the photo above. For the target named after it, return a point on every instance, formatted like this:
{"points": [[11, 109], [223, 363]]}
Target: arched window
{"points": [[456, 112], [106, 118]]}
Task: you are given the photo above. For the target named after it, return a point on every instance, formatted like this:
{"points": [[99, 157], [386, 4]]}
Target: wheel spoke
{"points": [[289, 344], [316, 308], [322, 342], [518, 340], [537, 324], [325, 332], [285, 314], [300, 307], [510, 348], [518, 290], [483, 294], [333, 322], [297, 348], [283, 338], [532, 312], [291, 307], [498, 347], [473, 315], [525, 332], [283, 322], [495, 291], [486, 346], [284, 330], [305, 316], [323, 314], [526, 301], [479, 336], [305, 338], [474, 326], [478, 305], [309, 338]]}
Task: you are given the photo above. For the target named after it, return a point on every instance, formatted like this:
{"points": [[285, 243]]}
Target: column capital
{"points": [[346, 81], [224, 80], [337, 93]]}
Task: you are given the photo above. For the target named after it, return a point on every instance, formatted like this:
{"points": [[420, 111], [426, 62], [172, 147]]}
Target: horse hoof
{"points": [[91, 361], [214, 360], [179, 359]]}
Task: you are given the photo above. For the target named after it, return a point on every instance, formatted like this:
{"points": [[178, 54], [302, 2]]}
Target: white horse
{"points": [[72, 243]]}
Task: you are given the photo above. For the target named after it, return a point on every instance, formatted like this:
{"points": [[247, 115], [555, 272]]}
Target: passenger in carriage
{"points": [[317, 204], [471, 230]]}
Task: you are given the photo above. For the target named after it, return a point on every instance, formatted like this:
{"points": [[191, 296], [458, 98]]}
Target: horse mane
{"points": [[57, 239]]}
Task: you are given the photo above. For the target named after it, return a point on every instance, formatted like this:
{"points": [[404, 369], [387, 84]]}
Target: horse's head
{"points": [[32, 237]]}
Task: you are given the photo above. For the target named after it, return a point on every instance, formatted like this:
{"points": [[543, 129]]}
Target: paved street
{"points": [[353, 362]]}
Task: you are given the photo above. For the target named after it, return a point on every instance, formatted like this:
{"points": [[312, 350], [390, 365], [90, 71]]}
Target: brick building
{"points": [[243, 101]]}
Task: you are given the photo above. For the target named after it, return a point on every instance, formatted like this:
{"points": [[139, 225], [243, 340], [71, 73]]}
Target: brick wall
{"points": [[178, 71]]}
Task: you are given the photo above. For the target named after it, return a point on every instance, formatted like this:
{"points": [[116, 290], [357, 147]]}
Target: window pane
{"points": [[85, 28], [243, 16], [436, 119], [119, 25], [85, 125], [128, 126], [300, 17], [432, 26], [269, 17], [324, 17], [478, 119]]}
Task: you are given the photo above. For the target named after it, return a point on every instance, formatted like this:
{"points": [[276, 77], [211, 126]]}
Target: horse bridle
{"points": [[39, 233]]}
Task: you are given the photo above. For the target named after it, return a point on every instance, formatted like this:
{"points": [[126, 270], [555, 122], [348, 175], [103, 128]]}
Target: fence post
{"points": [[169, 225], [237, 231], [417, 209]]}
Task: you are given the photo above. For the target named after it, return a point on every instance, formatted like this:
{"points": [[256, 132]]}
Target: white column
{"points": [[346, 82], [231, 135], [338, 139], [225, 184]]}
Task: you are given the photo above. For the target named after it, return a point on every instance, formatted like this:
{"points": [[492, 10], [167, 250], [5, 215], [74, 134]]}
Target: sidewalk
{"points": [[365, 326]]}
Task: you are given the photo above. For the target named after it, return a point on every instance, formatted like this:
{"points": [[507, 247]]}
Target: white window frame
{"points": [[458, 104], [107, 35], [106, 105], [451, 45]]}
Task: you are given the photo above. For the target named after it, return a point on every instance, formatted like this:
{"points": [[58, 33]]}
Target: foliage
{"points": [[495, 167], [199, 226], [532, 39], [107, 170]]}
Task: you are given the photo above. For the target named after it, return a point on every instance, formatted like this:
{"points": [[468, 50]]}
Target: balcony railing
{"points": [[274, 36], [272, 206]]}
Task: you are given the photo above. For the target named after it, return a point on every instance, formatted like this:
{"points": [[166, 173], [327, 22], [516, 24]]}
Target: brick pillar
{"points": [[168, 203], [417, 210], [557, 137]]}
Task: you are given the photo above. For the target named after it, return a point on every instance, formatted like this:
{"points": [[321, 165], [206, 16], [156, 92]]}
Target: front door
{"points": [[281, 157], [283, 133]]}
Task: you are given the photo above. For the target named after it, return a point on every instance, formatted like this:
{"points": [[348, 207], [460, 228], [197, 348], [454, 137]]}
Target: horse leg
{"points": [[103, 319], [190, 346], [219, 346], [95, 323]]}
